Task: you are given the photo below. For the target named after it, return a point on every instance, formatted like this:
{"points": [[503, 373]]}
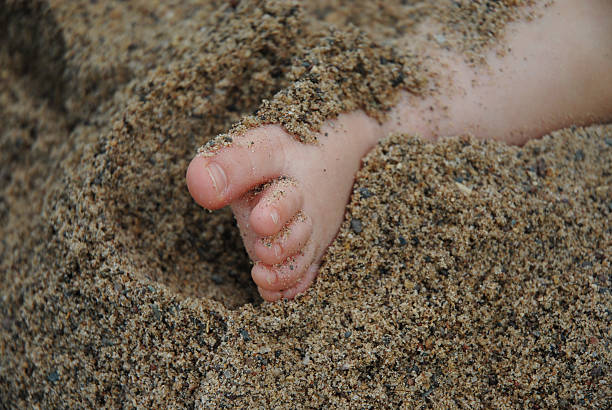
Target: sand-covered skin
{"points": [[465, 273]]}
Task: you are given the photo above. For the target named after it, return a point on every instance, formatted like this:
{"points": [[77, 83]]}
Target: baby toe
{"points": [[275, 249], [284, 275], [277, 205]]}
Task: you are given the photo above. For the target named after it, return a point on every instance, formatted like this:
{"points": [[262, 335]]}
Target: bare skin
{"points": [[557, 74]]}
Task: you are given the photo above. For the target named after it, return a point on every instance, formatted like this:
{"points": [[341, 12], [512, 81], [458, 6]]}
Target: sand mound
{"points": [[465, 272]]}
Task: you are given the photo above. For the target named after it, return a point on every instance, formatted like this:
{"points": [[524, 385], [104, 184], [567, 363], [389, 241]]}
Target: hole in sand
{"points": [[192, 252], [163, 234]]}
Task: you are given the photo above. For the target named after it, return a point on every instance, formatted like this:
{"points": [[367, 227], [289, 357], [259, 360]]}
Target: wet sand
{"points": [[466, 273]]}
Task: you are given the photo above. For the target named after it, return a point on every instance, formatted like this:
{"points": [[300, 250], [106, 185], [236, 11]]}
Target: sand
{"points": [[465, 274]]}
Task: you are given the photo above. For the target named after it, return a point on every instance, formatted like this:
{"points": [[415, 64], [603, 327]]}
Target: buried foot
{"points": [[289, 198]]}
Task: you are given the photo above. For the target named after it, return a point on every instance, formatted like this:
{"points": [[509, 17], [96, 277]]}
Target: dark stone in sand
{"points": [[244, 334], [53, 376], [365, 193], [356, 225]]}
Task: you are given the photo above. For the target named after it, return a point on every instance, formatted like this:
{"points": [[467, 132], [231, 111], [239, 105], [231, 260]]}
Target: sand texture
{"points": [[465, 274]]}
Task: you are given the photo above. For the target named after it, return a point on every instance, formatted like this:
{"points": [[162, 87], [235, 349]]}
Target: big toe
{"points": [[219, 178]]}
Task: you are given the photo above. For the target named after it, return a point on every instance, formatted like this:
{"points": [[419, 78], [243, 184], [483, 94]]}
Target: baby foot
{"points": [[288, 197]]}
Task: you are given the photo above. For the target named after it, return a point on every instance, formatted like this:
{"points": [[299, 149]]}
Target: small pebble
{"points": [[440, 39], [244, 334], [541, 167], [156, 312], [365, 193], [597, 372], [579, 155], [356, 225], [463, 188], [53, 376]]}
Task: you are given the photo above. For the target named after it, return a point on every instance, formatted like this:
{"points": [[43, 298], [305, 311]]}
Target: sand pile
{"points": [[464, 272]]}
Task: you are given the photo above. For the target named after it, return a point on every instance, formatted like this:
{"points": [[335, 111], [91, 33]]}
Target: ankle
{"points": [[550, 77]]}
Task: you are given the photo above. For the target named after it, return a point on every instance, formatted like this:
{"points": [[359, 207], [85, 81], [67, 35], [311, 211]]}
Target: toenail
{"points": [[217, 175], [277, 250], [274, 215], [271, 279]]}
